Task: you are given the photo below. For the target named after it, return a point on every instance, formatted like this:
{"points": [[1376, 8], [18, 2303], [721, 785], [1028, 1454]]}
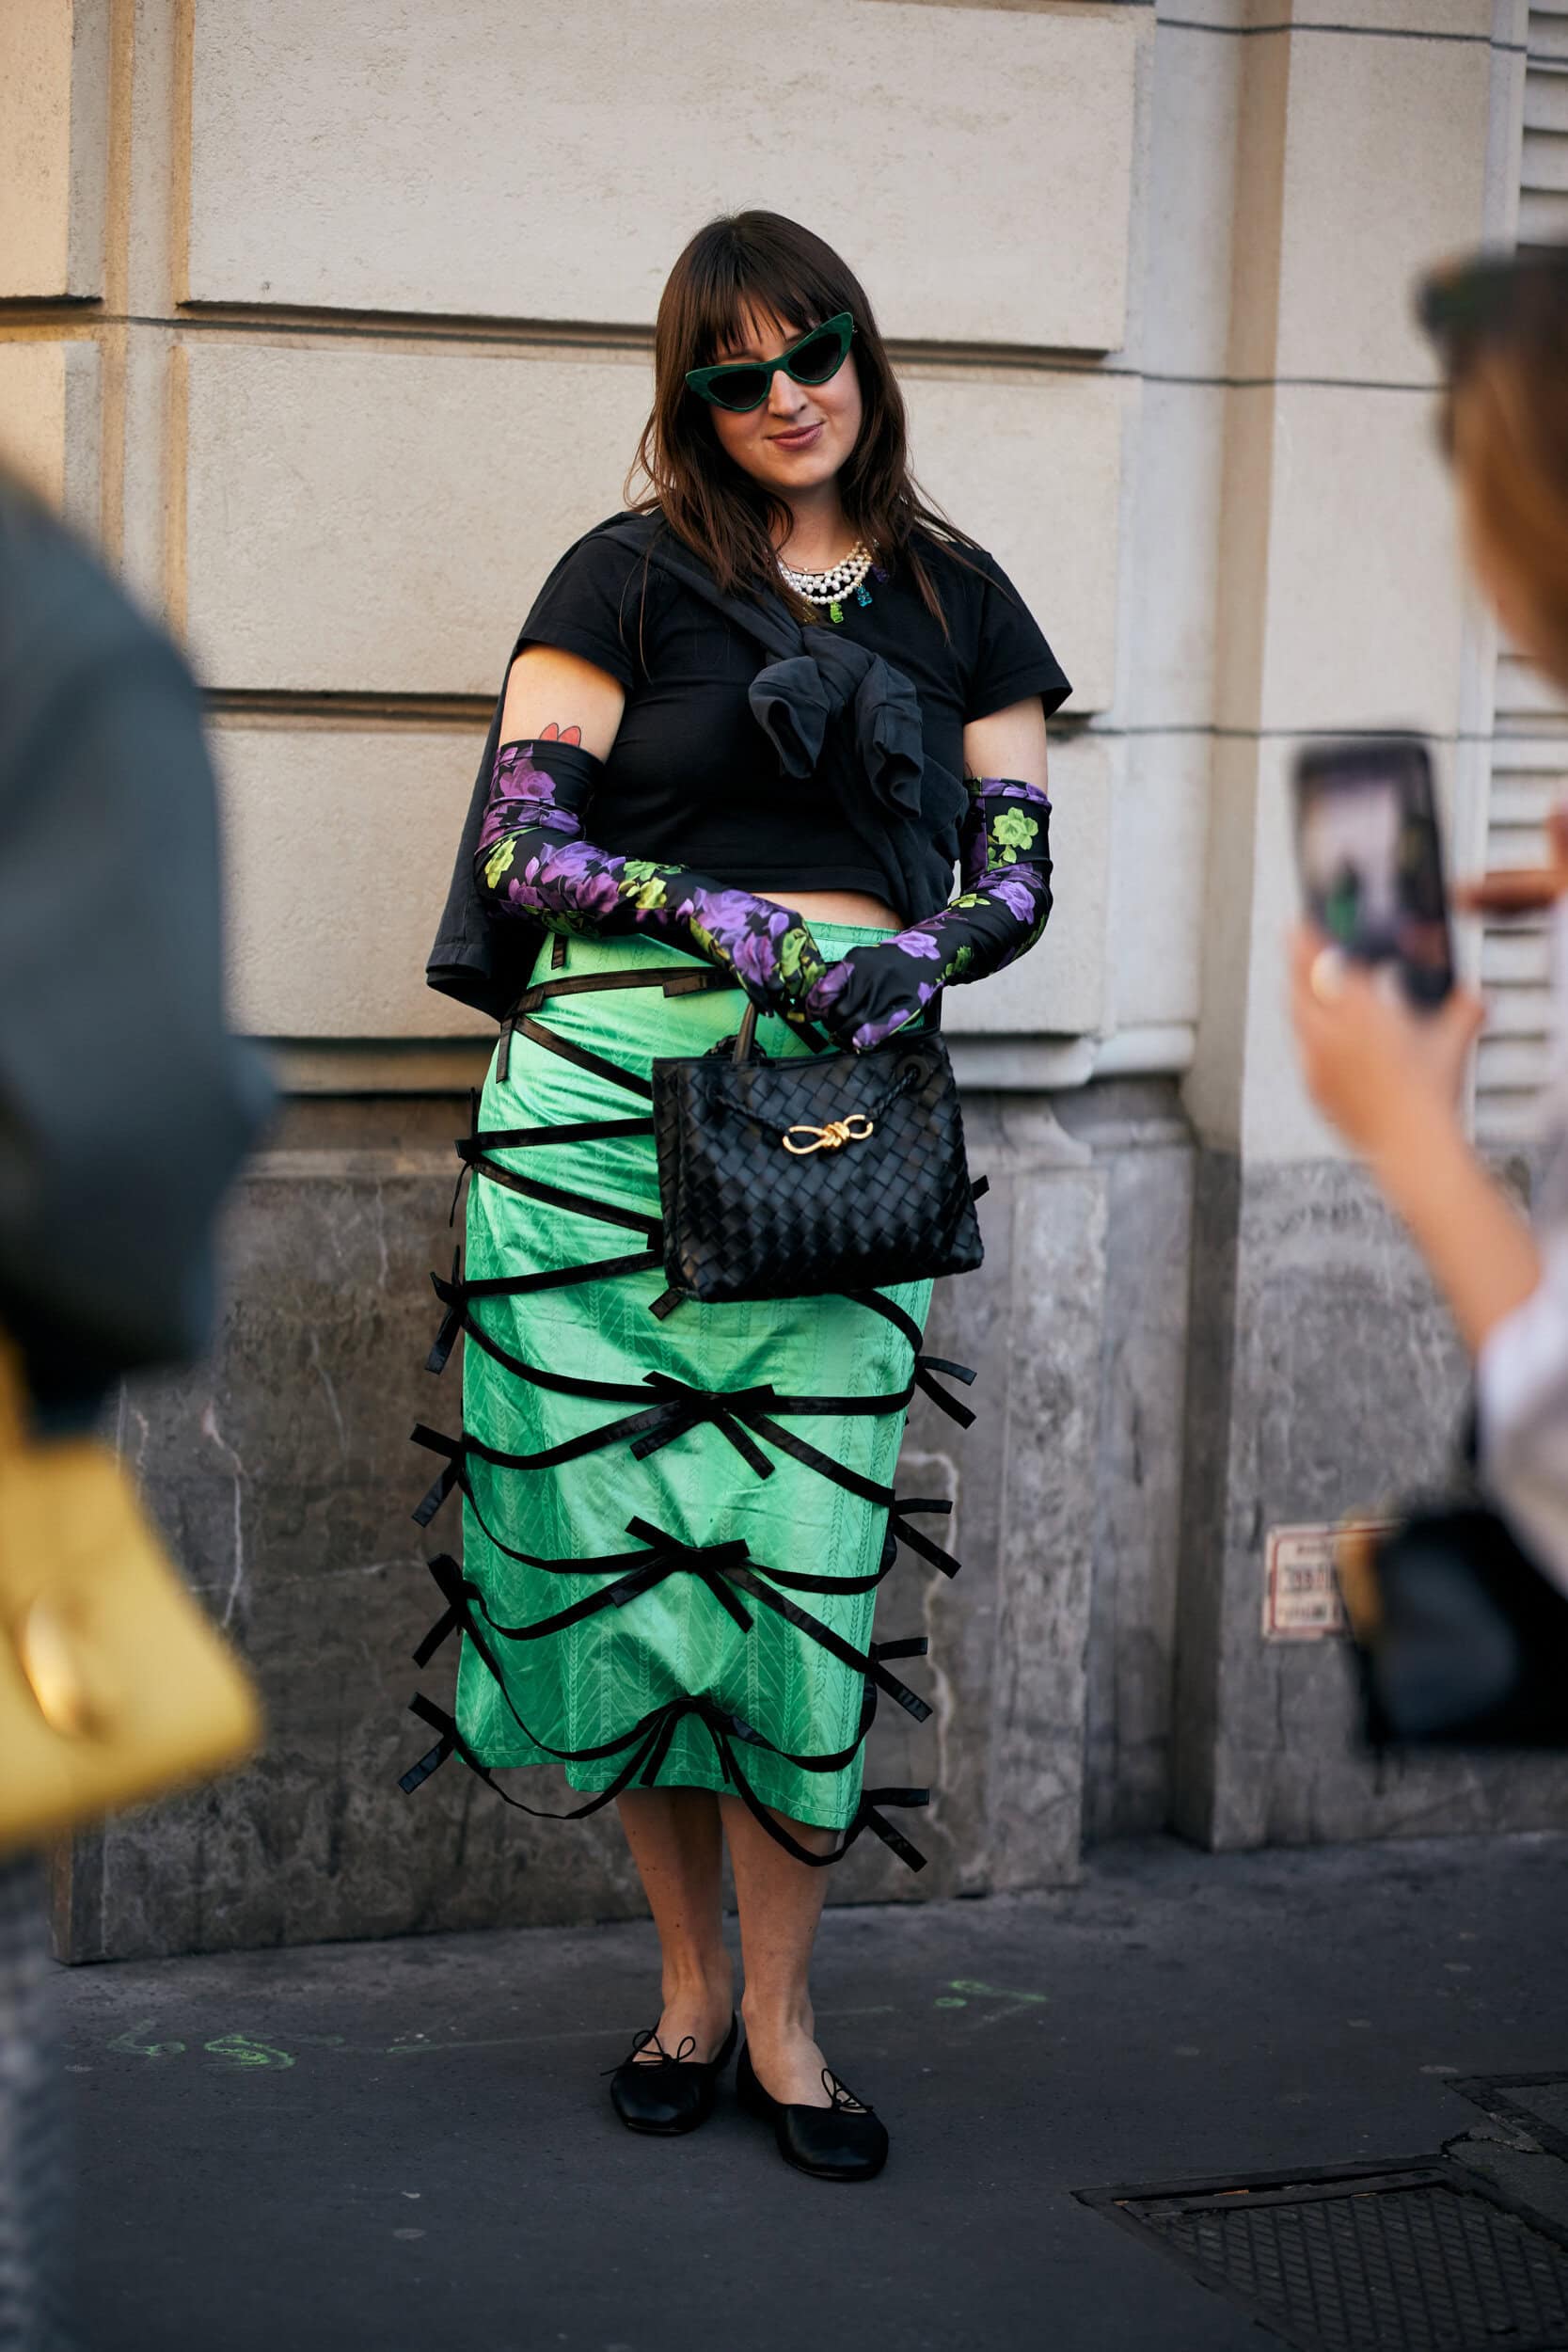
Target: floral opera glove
{"points": [[1001, 909], [532, 860]]}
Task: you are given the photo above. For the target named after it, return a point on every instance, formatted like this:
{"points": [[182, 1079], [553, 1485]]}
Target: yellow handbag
{"points": [[114, 1685]]}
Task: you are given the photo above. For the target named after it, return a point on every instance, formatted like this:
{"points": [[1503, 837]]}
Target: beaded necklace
{"points": [[840, 581]]}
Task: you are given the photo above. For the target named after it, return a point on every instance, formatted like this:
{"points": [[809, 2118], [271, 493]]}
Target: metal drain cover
{"points": [[1424, 2257]]}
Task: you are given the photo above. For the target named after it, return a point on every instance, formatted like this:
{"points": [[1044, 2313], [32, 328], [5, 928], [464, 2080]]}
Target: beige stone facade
{"points": [[332, 324]]}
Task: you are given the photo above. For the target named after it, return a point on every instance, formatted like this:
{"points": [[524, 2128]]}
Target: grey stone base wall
{"points": [[1323, 1375], [1173, 1357], [283, 1475]]}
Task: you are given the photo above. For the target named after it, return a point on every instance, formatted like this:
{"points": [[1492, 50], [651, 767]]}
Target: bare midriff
{"points": [[836, 906]]}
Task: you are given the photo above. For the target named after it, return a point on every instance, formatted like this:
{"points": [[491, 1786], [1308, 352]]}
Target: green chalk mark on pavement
{"points": [[967, 1989], [239, 2050], [128, 2041], [993, 1991]]}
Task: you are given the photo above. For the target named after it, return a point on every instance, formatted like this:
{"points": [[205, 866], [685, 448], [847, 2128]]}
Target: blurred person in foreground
{"points": [[1390, 1078], [124, 1109]]}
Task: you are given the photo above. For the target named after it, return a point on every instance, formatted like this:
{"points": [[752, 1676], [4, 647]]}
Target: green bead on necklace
{"points": [[832, 587]]}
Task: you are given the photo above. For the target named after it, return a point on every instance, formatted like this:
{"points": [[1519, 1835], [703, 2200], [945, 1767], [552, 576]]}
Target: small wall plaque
{"points": [[1301, 1600]]}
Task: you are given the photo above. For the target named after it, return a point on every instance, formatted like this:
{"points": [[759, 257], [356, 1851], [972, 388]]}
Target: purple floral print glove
{"points": [[1003, 900], [532, 860]]}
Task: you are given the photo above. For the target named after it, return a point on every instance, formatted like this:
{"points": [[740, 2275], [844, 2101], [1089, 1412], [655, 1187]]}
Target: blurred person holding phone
{"points": [[1385, 1064]]}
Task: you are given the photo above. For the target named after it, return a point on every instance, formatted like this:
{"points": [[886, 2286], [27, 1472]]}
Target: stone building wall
{"points": [[332, 326]]}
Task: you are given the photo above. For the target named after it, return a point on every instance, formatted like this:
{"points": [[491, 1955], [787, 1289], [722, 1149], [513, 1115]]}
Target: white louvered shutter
{"points": [[1529, 748]]}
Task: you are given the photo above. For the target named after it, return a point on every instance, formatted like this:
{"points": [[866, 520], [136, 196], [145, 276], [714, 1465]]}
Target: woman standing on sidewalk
{"points": [[680, 1594]]}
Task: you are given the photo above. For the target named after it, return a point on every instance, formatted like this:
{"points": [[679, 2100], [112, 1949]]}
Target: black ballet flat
{"points": [[847, 2141], [673, 2092]]}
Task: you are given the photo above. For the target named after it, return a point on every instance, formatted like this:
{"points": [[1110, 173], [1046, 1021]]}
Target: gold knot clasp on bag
{"points": [[831, 1137]]}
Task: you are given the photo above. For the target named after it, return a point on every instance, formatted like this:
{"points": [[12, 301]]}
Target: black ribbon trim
{"points": [[756, 1578], [606, 1562], [580, 1204], [686, 1407], [587, 984], [889, 1309], [457, 1450], [645, 1762], [526, 1139], [866, 1816], [464, 1164], [892, 1838], [692, 983], [924, 1366], [720, 1566], [628, 1390], [669, 1419], [471, 1149], [451, 1474], [683, 1407], [739, 1401], [446, 1337], [454, 1294], [462, 1597], [658, 1727], [913, 1536], [582, 1057]]}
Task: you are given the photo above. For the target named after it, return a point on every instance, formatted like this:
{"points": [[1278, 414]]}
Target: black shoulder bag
{"points": [[785, 1179], [1461, 1639]]}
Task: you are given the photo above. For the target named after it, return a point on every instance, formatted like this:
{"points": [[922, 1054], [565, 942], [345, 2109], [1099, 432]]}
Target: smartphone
{"points": [[1370, 857]]}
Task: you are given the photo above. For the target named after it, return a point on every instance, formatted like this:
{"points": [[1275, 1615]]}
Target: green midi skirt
{"points": [[675, 1524]]}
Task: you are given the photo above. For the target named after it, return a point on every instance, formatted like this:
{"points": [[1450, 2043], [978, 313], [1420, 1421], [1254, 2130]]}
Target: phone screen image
{"points": [[1371, 858]]}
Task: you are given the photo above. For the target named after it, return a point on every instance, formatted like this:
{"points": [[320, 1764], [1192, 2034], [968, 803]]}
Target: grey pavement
{"points": [[409, 2143]]}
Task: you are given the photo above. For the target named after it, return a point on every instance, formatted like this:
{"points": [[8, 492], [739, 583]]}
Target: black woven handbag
{"points": [[787, 1179]]}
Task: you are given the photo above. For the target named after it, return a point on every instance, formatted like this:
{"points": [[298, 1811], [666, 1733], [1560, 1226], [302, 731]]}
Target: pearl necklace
{"points": [[844, 579]]}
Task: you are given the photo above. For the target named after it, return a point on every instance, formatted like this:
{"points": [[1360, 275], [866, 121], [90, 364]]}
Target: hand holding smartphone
{"points": [[1371, 859]]}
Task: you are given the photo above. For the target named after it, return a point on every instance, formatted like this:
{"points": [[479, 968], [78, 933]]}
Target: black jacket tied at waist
{"points": [[826, 703]]}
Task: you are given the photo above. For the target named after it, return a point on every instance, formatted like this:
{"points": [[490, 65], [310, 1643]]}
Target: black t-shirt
{"points": [[693, 780]]}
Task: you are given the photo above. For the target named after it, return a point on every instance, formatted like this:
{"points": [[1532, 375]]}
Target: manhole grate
{"points": [[1427, 2257]]}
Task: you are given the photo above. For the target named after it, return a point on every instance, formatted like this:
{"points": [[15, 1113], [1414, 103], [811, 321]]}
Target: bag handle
{"points": [[746, 1035]]}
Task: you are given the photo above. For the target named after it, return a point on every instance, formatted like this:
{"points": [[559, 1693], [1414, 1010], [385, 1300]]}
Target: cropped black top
{"points": [[691, 778]]}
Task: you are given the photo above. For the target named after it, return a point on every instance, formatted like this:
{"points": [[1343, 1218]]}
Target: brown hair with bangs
{"points": [[734, 267], [1504, 426]]}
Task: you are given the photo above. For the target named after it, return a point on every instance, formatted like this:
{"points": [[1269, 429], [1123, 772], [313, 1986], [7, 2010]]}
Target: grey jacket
{"points": [[124, 1106]]}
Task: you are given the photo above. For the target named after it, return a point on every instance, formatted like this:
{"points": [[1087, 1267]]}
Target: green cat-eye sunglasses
{"points": [[813, 358]]}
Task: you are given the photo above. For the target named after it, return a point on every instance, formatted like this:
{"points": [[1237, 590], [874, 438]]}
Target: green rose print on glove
{"points": [[1012, 832], [1000, 910]]}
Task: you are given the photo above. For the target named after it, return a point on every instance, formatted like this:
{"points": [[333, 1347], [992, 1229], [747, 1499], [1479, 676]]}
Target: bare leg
{"points": [[781, 1903], [676, 1844]]}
